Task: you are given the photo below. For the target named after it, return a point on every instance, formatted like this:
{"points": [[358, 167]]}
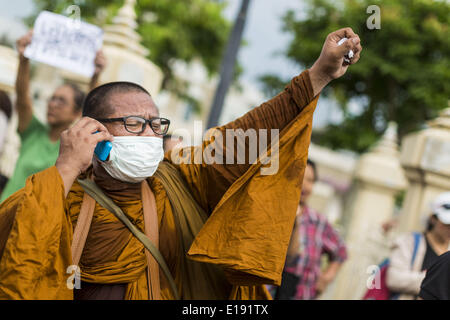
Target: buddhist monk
{"points": [[216, 230]]}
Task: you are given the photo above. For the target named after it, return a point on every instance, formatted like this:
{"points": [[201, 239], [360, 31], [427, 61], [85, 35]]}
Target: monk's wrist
{"points": [[23, 60], [318, 79], [68, 174]]}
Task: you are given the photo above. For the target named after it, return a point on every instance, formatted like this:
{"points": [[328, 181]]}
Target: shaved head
{"points": [[98, 102]]}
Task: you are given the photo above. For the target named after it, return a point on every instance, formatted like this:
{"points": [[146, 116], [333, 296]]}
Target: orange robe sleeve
{"points": [[209, 182], [251, 212], [35, 236]]}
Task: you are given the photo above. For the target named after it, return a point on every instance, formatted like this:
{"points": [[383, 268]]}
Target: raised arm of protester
{"points": [[276, 114], [100, 65], [23, 96]]}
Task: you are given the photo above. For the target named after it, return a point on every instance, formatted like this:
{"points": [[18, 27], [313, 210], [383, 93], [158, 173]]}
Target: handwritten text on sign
{"points": [[64, 43]]}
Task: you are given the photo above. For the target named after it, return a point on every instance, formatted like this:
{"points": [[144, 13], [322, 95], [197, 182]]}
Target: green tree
{"points": [[403, 74], [182, 29]]}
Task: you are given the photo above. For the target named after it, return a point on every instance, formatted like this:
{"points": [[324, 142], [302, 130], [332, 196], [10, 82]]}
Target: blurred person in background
{"points": [[5, 116], [170, 142], [40, 142], [414, 253], [312, 237], [436, 285]]}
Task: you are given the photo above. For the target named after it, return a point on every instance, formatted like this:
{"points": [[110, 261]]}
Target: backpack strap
{"points": [[417, 236], [152, 232], [82, 228]]}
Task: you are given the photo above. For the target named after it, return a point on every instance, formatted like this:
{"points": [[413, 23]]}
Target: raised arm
{"points": [[100, 64], [277, 113], [331, 65], [23, 97]]}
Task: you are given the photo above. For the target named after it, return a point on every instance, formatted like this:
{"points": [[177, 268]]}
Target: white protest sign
{"points": [[65, 43]]}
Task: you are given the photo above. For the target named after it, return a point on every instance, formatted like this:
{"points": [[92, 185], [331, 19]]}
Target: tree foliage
{"points": [[171, 30], [403, 74]]}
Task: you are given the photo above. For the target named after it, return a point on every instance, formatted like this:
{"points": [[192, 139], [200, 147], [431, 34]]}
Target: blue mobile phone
{"points": [[103, 149]]}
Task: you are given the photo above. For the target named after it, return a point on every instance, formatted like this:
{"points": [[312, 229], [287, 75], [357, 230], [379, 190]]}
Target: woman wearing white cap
{"points": [[414, 253]]}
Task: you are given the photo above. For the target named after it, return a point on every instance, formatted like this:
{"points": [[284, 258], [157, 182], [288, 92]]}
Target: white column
{"points": [[8, 65], [126, 56], [425, 156], [378, 178]]}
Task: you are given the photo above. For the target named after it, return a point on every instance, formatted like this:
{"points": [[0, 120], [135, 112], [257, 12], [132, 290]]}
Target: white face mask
{"points": [[133, 159]]}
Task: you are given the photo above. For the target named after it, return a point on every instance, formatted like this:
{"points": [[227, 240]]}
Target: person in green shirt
{"points": [[39, 142]]}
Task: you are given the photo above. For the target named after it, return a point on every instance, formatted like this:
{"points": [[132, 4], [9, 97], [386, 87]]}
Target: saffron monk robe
{"points": [[222, 229]]}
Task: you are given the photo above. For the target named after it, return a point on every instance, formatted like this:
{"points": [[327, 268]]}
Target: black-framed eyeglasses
{"points": [[136, 124]]}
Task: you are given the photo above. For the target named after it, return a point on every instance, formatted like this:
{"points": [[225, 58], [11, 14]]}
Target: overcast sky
{"points": [[265, 40], [266, 43], [263, 34]]}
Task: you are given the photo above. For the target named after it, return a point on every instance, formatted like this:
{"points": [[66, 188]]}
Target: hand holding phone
{"points": [[103, 149], [76, 149]]}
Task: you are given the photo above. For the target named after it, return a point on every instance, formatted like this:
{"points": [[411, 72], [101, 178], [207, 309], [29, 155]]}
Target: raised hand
{"points": [[330, 64], [99, 62], [23, 42], [77, 148]]}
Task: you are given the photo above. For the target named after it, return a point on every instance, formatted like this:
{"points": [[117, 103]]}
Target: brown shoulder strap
{"points": [[152, 232], [82, 227]]}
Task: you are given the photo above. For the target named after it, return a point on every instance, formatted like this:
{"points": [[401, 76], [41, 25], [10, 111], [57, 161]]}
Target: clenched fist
{"points": [[23, 42], [99, 62], [330, 64]]}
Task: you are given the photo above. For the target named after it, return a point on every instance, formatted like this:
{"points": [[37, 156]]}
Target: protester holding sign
{"points": [[65, 43], [39, 143]]}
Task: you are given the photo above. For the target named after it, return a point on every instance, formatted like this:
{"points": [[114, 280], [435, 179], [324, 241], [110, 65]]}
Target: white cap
{"points": [[441, 207]]}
